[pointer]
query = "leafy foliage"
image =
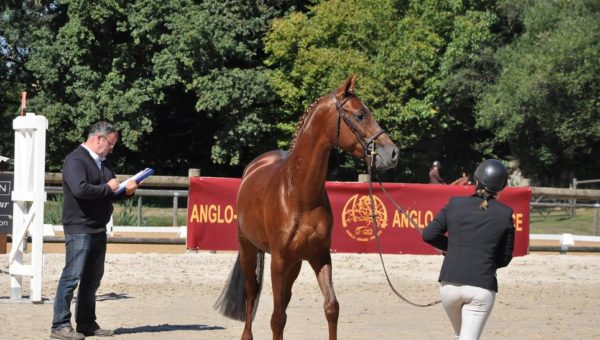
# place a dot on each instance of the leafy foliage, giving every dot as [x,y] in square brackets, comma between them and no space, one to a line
[545,103]
[418,62]
[21,24]
[212,84]
[182,80]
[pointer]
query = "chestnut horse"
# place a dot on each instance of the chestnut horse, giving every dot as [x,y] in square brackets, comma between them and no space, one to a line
[283,208]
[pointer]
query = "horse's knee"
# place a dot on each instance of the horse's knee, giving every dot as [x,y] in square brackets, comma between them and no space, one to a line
[332,311]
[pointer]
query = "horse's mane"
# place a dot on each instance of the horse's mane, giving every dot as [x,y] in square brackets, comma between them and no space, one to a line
[302,120]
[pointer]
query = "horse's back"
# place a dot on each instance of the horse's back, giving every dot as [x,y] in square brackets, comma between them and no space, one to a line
[262,174]
[265,164]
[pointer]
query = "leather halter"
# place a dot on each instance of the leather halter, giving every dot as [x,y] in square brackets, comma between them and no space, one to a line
[367,144]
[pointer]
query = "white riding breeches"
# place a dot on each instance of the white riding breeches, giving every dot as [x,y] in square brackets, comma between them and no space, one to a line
[468,308]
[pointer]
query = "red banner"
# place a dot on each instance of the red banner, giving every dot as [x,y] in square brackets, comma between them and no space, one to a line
[212,215]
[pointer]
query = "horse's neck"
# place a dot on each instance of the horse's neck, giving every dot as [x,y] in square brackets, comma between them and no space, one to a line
[307,167]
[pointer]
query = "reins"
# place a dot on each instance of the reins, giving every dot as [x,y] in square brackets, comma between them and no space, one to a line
[370,153]
[370,166]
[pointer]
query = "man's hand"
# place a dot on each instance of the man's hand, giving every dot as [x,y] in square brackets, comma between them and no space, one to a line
[130,188]
[113,184]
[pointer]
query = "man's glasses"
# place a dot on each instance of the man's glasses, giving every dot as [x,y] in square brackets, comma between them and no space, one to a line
[110,144]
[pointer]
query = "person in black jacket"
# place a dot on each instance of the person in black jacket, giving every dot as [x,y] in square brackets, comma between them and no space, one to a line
[89,184]
[480,239]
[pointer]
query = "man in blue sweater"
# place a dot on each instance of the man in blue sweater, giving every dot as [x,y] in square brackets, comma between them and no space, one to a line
[89,184]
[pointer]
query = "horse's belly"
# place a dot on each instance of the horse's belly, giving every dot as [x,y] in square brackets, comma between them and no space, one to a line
[255,237]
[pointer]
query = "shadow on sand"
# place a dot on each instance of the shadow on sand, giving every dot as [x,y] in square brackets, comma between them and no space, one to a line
[112,296]
[165,328]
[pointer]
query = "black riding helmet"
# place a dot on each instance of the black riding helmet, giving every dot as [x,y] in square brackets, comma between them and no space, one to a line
[491,175]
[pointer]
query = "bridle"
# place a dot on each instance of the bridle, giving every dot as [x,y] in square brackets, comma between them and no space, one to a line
[368,144]
[369,151]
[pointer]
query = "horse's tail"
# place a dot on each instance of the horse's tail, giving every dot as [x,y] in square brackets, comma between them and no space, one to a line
[232,301]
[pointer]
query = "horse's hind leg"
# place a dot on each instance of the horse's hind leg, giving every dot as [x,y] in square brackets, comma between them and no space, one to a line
[322,268]
[290,278]
[253,282]
[283,275]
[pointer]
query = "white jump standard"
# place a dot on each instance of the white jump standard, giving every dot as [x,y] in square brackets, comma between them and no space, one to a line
[28,210]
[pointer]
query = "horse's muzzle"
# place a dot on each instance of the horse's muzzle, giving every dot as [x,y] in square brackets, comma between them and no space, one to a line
[387,157]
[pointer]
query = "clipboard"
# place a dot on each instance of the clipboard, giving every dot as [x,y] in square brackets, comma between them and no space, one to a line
[140,176]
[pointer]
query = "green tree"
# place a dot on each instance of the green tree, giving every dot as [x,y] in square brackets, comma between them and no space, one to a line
[20,22]
[421,67]
[544,106]
[183,80]
[466,68]
[211,84]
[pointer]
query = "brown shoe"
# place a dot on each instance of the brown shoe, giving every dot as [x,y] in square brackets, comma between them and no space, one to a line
[94,330]
[66,333]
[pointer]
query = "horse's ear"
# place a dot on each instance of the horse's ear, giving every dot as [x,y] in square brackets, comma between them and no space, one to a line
[347,89]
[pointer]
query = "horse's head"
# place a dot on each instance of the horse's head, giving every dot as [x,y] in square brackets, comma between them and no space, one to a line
[357,131]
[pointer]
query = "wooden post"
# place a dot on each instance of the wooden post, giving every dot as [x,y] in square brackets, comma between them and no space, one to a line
[574,200]
[3,239]
[596,218]
[363,178]
[139,212]
[193,172]
[175,208]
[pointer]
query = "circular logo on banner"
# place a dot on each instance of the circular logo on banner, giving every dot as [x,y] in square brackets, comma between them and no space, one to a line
[357,220]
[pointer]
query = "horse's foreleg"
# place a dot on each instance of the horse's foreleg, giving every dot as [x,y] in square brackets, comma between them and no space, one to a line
[332,308]
[282,278]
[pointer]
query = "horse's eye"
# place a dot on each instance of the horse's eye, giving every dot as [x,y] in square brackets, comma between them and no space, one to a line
[360,117]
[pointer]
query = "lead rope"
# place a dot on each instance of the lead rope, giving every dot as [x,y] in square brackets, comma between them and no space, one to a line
[370,165]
